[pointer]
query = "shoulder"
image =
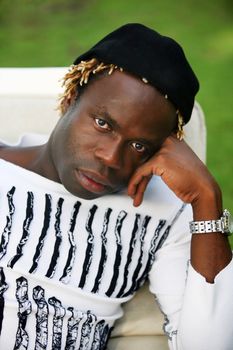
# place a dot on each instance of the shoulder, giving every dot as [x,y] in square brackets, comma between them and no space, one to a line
[21,156]
[8,151]
[5,151]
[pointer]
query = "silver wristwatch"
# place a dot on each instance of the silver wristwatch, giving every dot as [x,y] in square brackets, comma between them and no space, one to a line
[223,225]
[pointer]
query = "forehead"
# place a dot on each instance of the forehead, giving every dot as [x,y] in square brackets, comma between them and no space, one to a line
[129,100]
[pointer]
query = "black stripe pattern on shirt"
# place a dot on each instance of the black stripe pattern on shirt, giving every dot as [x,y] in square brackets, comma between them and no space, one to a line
[58,235]
[7,229]
[90,246]
[26,226]
[86,330]
[71,254]
[3,288]
[154,246]
[103,257]
[24,309]
[39,247]
[83,329]
[41,318]
[130,254]
[57,322]
[151,255]
[120,219]
[140,259]
[72,328]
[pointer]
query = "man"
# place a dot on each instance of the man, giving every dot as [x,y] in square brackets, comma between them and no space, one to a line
[75,246]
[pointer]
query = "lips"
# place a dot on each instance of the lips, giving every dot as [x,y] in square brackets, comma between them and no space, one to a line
[93,182]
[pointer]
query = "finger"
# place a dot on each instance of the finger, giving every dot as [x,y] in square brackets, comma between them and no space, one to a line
[138,197]
[133,184]
[137,178]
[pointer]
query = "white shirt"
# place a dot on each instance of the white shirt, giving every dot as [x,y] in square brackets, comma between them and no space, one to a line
[67,265]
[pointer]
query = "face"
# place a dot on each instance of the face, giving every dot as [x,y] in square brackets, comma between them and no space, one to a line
[117,124]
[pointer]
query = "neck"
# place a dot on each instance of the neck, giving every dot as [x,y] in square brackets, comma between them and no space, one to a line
[36,159]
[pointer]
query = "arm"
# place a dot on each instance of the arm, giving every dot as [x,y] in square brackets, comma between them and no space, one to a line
[190,180]
[198,314]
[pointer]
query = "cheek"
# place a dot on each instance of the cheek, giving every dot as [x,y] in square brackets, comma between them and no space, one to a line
[130,163]
[80,149]
[79,137]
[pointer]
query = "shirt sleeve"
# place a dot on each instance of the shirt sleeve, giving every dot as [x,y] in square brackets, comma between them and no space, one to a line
[197,315]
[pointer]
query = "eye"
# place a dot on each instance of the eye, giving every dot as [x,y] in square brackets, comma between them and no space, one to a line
[101,123]
[138,147]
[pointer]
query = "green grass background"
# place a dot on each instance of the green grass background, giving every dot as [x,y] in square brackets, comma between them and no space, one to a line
[53,32]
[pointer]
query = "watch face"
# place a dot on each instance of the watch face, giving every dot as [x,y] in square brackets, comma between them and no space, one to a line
[228,222]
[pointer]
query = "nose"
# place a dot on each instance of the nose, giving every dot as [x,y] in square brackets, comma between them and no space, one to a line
[110,154]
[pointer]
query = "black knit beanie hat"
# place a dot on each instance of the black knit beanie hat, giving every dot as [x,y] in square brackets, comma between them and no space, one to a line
[157,59]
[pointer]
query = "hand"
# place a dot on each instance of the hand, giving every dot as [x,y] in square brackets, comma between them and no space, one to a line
[182,171]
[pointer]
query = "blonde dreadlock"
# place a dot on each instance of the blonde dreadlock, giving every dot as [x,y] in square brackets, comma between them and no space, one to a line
[79,75]
[180,124]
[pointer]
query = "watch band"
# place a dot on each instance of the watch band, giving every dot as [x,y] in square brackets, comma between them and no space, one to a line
[206,226]
[223,225]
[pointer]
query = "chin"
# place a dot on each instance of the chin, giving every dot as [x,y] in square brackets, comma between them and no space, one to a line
[84,194]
